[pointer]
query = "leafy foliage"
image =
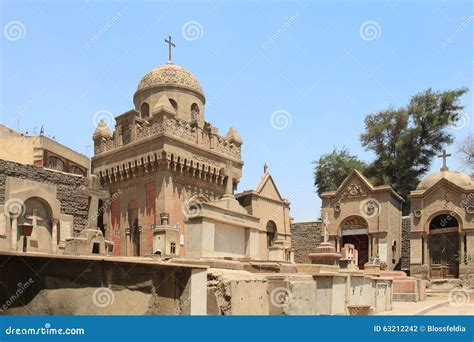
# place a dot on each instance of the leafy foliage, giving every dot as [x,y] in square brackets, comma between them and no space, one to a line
[404,140]
[332,168]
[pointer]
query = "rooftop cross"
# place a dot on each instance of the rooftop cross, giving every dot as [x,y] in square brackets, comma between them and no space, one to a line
[444,155]
[170,46]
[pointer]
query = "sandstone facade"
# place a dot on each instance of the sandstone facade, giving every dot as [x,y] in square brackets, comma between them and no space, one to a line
[366,216]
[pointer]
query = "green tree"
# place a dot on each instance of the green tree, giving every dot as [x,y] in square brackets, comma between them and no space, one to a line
[331,169]
[405,140]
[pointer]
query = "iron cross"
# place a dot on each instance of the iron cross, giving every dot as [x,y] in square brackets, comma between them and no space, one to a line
[170,46]
[444,155]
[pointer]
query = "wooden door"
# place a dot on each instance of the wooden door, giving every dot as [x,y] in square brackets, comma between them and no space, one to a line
[444,255]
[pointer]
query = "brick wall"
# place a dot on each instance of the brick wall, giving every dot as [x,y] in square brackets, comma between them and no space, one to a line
[70,192]
[305,237]
[405,257]
[150,216]
[115,220]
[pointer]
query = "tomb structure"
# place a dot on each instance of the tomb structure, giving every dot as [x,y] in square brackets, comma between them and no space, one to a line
[177,175]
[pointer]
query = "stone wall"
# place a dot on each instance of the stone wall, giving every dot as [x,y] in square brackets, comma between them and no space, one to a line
[233,292]
[306,236]
[405,252]
[70,189]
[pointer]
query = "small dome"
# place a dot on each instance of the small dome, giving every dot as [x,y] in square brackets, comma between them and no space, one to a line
[170,74]
[458,178]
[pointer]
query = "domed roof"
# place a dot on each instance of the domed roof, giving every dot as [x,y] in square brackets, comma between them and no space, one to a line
[170,74]
[458,178]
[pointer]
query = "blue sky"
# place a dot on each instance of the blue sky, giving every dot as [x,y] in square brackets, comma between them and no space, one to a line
[320,66]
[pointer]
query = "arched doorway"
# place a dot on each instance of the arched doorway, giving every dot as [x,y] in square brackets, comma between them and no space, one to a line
[38,214]
[134,228]
[354,230]
[443,246]
[271,233]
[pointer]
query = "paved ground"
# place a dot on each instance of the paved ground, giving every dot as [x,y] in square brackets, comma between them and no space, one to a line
[449,310]
[438,305]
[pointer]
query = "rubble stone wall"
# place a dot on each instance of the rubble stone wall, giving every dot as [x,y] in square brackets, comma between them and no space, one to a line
[405,257]
[306,236]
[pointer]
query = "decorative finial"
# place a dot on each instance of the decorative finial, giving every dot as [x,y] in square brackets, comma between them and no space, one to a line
[444,155]
[265,168]
[170,46]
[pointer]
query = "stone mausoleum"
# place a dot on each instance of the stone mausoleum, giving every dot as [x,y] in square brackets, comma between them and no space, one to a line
[367,216]
[177,175]
[442,226]
[153,223]
[435,242]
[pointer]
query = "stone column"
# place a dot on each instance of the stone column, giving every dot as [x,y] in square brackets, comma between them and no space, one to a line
[426,250]
[14,236]
[93,210]
[128,242]
[371,243]
[54,235]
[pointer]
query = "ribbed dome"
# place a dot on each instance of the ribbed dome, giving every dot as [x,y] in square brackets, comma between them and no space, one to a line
[170,74]
[458,178]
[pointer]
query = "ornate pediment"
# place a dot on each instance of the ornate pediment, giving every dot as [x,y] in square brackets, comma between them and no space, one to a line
[353,190]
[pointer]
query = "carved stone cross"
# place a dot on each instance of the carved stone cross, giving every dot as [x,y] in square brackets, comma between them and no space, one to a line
[35,218]
[170,46]
[444,155]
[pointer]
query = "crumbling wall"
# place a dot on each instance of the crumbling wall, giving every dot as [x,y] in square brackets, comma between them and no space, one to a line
[305,237]
[233,292]
[236,293]
[70,188]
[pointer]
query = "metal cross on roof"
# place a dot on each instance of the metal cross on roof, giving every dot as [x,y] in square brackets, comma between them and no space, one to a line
[444,155]
[170,46]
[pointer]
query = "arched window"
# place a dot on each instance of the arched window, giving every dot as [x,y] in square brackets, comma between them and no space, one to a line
[271,233]
[194,112]
[56,163]
[37,213]
[174,104]
[76,170]
[443,221]
[145,110]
